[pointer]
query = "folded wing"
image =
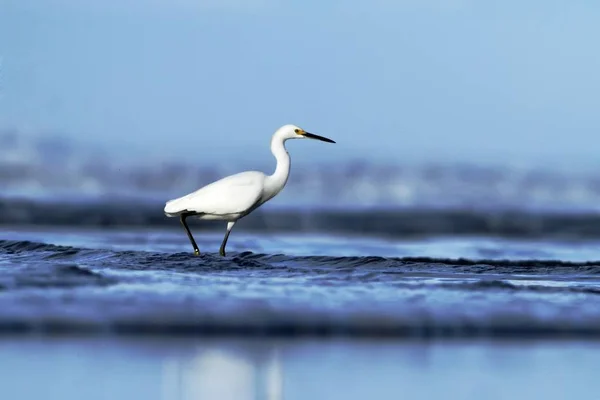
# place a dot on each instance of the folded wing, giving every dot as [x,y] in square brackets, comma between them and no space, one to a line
[231,195]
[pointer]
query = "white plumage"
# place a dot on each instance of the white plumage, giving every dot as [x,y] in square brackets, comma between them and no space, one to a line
[235,196]
[224,199]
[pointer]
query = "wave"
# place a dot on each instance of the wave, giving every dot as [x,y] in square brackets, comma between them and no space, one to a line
[297,329]
[407,223]
[49,289]
[28,251]
[502,285]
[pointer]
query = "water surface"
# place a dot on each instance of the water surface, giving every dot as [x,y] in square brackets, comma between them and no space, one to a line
[239,369]
[148,282]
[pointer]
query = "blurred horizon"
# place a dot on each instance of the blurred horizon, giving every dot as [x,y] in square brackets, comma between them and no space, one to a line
[53,167]
[209,81]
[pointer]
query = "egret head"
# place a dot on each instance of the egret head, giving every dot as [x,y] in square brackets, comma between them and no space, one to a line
[294,132]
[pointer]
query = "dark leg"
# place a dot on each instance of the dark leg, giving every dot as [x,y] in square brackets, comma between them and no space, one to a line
[187,230]
[222,249]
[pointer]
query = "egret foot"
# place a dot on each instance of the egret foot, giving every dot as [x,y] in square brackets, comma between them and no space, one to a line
[196,252]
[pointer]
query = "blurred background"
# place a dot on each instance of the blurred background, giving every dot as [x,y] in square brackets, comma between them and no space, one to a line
[466,161]
[436,102]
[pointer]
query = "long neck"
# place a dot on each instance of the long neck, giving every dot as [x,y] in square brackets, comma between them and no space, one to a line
[276,182]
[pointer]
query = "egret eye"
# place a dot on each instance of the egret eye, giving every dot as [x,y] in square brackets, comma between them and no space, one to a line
[297,130]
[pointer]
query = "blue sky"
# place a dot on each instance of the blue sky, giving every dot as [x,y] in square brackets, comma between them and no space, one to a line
[209,79]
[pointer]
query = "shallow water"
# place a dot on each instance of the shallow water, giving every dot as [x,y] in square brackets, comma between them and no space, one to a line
[124,312]
[239,369]
[147,282]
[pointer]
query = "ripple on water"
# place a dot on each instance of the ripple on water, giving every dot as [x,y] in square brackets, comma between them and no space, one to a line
[46,288]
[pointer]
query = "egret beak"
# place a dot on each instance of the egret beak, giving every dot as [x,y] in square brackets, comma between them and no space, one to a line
[321,138]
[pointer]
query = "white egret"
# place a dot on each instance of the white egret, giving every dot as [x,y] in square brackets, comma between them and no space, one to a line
[236,196]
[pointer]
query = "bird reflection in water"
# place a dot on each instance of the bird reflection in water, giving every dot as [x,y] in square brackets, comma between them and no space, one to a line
[223,374]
